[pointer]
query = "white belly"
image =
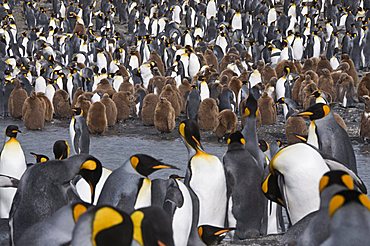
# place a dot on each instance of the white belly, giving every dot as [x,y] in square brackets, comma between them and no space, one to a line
[144,197]
[272,223]
[209,184]
[204,91]
[182,219]
[83,188]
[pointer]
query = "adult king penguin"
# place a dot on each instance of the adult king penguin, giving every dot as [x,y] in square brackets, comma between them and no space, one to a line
[79,132]
[209,194]
[129,186]
[327,135]
[243,177]
[13,164]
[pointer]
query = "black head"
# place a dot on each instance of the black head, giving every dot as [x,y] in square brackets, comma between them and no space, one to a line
[316,111]
[264,146]
[270,189]
[39,157]
[111,227]
[336,177]
[11,131]
[347,197]
[236,138]
[91,170]
[250,107]
[146,165]
[77,111]
[189,131]
[61,149]
[211,234]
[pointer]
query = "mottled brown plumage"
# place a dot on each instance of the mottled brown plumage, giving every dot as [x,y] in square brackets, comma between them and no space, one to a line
[227,123]
[33,112]
[123,101]
[208,114]
[62,108]
[171,95]
[48,106]
[147,113]
[110,109]
[97,119]
[16,100]
[164,116]
[267,109]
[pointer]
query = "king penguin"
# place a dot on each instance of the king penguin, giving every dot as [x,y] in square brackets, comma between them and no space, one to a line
[349,213]
[13,164]
[152,226]
[58,228]
[103,225]
[44,189]
[209,195]
[129,186]
[327,135]
[243,178]
[79,132]
[317,230]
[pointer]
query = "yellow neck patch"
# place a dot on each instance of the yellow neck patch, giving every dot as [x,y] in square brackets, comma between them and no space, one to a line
[200,231]
[68,148]
[364,201]
[348,181]
[335,203]
[137,218]
[78,210]
[182,129]
[105,218]
[265,184]
[89,165]
[247,112]
[326,109]
[242,141]
[324,181]
[134,161]
[43,159]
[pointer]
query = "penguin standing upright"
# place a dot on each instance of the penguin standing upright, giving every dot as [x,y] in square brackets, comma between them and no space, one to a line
[13,164]
[79,132]
[327,135]
[243,177]
[209,194]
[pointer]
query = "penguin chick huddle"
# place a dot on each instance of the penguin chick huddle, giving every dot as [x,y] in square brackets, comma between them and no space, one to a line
[213,63]
[157,61]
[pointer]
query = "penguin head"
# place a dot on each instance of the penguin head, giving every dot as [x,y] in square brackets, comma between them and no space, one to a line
[39,157]
[12,131]
[270,188]
[250,107]
[336,177]
[211,234]
[263,145]
[146,165]
[77,111]
[111,227]
[346,197]
[61,150]
[91,170]
[316,111]
[189,131]
[236,138]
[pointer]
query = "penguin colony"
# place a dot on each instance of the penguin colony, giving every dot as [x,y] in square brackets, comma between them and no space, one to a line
[213,62]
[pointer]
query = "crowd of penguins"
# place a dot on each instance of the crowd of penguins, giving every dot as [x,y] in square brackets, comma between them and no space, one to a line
[213,63]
